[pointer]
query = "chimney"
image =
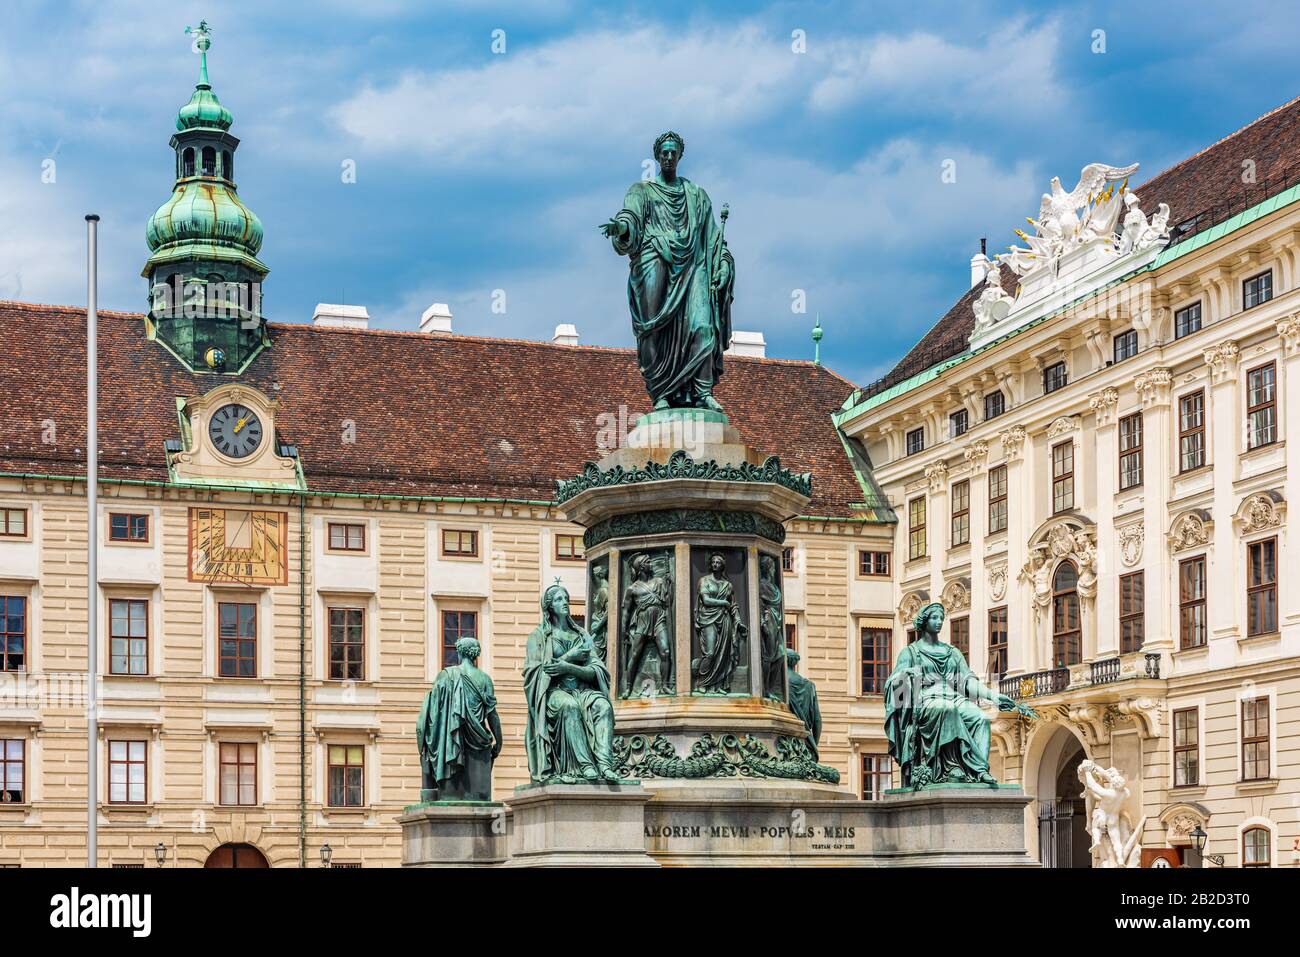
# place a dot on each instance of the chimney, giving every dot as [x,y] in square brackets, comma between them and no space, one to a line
[437,318]
[340,317]
[977,263]
[747,344]
[566,334]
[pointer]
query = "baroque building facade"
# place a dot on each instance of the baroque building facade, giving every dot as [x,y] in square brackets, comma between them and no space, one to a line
[296,523]
[1091,456]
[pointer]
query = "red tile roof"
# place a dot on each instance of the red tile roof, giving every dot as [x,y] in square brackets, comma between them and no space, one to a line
[434,415]
[1202,190]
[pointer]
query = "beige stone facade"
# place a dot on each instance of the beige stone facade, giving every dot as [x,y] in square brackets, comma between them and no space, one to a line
[1215,368]
[183,711]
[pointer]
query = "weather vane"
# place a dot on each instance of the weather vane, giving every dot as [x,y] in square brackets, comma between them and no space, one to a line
[202,40]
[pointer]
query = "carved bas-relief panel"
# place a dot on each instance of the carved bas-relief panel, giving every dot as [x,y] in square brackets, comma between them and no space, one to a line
[771,627]
[646,624]
[719,622]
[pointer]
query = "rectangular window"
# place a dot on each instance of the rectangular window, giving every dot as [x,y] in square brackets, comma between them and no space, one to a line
[347,628]
[916,544]
[961,512]
[13,633]
[1125,345]
[460,543]
[1191,602]
[998,499]
[13,771]
[1132,611]
[877,776]
[128,527]
[568,548]
[915,441]
[1187,320]
[1187,748]
[1130,451]
[347,775]
[238,774]
[347,537]
[959,636]
[128,630]
[1257,290]
[455,626]
[1191,431]
[13,523]
[792,635]
[787,560]
[127,772]
[875,659]
[997,642]
[995,403]
[1054,377]
[1261,406]
[959,422]
[1261,587]
[237,639]
[1254,739]
[1062,477]
[873,564]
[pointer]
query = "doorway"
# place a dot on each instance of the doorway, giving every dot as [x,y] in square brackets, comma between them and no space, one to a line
[1063,839]
[236,855]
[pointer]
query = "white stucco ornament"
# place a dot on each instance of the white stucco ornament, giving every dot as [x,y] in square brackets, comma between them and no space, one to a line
[1067,221]
[1115,842]
[1083,239]
[994,303]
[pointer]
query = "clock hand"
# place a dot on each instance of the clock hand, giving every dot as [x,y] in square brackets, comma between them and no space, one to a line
[239,425]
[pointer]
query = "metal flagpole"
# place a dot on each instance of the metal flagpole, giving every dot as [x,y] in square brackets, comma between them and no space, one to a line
[92,538]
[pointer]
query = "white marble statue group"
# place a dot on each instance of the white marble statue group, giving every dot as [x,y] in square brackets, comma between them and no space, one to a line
[1115,841]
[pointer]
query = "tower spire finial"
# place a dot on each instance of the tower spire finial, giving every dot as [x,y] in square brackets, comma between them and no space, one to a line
[817,341]
[202,40]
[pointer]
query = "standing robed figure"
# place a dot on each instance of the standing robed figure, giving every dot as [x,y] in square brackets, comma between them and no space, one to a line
[680,282]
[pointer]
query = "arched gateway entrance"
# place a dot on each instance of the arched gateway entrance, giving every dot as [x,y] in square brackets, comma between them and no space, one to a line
[1062,822]
[236,855]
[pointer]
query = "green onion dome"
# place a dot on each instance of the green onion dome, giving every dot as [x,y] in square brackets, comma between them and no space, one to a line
[204,211]
[203,110]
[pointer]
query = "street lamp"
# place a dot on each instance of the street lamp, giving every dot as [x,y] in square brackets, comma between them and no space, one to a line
[1199,837]
[326,854]
[160,853]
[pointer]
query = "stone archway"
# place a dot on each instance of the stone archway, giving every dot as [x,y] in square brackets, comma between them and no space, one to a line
[1052,771]
[236,855]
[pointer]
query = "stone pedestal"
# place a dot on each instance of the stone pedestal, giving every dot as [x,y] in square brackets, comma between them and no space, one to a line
[579,825]
[756,823]
[455,834]
[953,826]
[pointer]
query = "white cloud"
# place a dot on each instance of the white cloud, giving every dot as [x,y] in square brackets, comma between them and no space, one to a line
[607,85]
[1013,69]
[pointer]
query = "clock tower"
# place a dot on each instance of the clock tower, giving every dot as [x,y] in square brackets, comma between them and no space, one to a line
[205,280]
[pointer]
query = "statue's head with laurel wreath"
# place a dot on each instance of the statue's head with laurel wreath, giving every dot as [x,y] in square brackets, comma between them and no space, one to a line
[668,150]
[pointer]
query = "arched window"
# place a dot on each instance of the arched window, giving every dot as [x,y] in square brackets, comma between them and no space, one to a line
[209,161]
[187,161]
[1256,847]
[1067,634]
[227,164]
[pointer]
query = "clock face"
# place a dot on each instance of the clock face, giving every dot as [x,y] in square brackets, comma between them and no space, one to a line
[235,430]
[238,546]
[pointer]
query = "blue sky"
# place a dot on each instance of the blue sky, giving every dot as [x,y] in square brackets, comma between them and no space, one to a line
[480,171]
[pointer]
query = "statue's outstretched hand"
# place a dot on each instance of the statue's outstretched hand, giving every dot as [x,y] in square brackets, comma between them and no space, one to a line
[614,228]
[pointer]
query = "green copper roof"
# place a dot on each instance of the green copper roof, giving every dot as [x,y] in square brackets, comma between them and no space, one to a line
[201,211]
[203,110]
